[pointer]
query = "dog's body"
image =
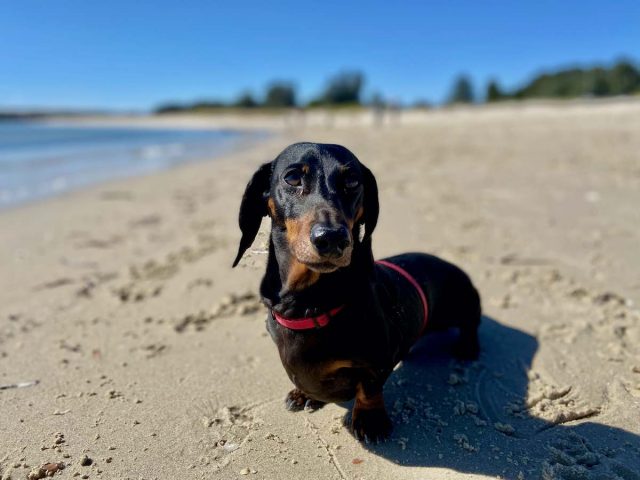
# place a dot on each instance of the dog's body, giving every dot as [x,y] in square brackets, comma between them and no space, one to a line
[321,270]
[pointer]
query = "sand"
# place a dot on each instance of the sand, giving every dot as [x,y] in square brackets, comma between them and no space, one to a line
[129,348]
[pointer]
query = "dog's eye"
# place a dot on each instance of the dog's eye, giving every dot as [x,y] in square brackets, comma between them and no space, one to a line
[351,181]
[293,178]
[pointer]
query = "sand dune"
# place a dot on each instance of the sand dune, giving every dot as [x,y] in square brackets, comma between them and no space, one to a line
[152,360]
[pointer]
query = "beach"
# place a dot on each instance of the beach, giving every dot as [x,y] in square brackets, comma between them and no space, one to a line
[127,338]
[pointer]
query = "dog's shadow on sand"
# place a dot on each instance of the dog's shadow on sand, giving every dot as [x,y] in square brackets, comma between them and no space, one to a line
[475,418]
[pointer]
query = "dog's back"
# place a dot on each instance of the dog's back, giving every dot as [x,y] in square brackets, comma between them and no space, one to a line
[452,299]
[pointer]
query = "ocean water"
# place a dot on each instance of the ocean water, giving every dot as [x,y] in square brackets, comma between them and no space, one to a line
[39,160]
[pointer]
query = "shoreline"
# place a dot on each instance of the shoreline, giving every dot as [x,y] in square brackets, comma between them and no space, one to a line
[242,139]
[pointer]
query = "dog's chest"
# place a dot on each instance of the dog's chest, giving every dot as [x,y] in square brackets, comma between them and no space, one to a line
[326,371]
[328,381]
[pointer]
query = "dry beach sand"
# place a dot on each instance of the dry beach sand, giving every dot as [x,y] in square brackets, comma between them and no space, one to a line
[152,360]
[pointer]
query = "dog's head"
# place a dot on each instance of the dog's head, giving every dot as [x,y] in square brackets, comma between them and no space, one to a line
[318,197]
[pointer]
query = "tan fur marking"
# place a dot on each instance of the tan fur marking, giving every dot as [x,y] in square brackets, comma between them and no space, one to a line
[298,233]
[303,252]
[364,402]
[298,230]
[333,367]
[272,207]
[300,276]
[296,227]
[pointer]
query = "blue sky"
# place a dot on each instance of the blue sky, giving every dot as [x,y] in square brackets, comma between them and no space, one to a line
[135,54]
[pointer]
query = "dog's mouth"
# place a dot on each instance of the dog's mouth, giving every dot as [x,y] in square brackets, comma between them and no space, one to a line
[322,267]
[321,264]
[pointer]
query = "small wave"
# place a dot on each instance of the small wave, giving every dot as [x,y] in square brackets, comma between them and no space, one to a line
[158,151]
[58,184]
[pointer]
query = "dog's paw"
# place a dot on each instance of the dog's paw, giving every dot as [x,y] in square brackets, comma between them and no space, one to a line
[297,400]
[371,426]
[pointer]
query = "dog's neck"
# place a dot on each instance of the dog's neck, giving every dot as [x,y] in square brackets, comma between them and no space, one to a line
[293,290]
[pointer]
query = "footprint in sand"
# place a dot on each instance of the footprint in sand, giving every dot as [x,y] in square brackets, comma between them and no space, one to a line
[232,305]
[221,430]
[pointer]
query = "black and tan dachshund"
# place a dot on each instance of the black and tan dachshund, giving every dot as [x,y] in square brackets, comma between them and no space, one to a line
[340,320]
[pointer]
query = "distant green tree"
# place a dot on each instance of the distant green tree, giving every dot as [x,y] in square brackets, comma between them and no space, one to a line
[169,108]
[462,90]
[621,79]
[280,94]
[564,84]
[624,78]
[207,105]
[494,92]
[598,83]
[245,100]
[200,106]
[343,88]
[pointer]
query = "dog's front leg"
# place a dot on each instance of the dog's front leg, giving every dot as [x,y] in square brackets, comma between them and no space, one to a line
[369,419]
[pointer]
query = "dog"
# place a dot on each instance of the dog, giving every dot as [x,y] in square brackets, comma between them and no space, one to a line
[340,320]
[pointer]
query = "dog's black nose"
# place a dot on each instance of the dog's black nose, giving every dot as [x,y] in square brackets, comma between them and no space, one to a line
[329,240]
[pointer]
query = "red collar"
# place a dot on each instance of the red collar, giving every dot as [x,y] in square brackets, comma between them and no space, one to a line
[306,323]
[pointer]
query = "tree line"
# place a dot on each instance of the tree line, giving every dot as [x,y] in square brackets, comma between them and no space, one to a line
[346,89]
[622,78]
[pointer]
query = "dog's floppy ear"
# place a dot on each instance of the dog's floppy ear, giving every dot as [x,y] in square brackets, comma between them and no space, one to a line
[370,202]
[253,207]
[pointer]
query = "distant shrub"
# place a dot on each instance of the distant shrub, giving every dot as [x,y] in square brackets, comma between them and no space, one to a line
[169,108]
[462,90]
[245,100]
[623,78]
[280,94]
[494,92]
[208,105]
[342,89]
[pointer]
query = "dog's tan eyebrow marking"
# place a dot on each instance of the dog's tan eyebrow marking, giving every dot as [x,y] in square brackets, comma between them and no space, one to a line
[305,167]
[346,167]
